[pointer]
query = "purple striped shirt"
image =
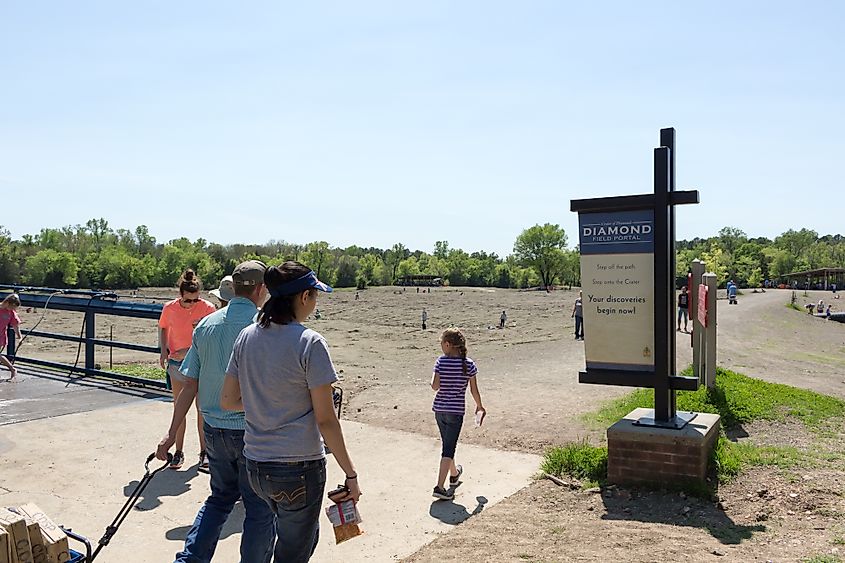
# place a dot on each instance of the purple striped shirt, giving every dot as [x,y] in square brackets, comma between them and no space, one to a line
[451,397]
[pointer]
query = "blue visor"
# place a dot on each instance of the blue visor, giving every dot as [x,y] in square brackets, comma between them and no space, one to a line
[293,287]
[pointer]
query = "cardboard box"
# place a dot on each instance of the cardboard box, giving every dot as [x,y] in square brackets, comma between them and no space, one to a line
[36,541]
[5,546]
[54,539]
[15,526]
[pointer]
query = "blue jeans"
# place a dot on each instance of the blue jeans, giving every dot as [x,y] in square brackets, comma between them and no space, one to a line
[579,327]
[229,482]
[450,430]
[294,491]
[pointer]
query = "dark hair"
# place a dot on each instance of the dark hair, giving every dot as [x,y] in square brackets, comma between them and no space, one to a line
[456,338]
[189,282]
[244,290]
[279,309]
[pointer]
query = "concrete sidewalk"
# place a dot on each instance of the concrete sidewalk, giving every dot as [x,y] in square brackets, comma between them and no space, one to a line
[81,467]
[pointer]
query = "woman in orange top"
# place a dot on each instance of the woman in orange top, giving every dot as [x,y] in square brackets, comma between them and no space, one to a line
[176,328]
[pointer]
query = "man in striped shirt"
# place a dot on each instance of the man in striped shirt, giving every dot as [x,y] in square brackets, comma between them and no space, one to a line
[205,369]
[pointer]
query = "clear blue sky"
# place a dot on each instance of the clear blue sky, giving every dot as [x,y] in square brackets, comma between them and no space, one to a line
[373,123]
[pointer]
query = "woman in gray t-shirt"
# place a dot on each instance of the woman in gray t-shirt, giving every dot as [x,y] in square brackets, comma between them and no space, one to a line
[280,376]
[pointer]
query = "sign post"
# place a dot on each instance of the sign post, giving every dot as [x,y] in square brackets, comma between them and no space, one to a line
[628,273]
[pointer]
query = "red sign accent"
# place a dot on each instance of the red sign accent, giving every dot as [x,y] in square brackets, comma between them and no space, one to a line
[702,304]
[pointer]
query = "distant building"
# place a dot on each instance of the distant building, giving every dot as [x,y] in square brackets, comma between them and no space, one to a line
[821,278]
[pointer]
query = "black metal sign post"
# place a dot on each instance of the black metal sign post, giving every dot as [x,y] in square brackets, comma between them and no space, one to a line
[663,378]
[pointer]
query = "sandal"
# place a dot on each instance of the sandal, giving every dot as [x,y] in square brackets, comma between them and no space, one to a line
[203,465]
[178,460]
[456,480]
[443,494]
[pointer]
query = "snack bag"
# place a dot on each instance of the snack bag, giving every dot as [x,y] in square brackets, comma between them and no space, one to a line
[344,516]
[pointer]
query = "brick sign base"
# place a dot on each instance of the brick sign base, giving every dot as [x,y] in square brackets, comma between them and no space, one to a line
[660,456]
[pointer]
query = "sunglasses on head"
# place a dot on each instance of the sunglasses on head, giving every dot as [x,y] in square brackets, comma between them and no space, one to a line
[191,300]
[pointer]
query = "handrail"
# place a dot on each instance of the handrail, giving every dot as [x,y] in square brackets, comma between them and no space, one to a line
[91,303]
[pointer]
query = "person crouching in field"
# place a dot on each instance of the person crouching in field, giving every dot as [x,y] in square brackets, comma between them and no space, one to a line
[9,318]
[453,371]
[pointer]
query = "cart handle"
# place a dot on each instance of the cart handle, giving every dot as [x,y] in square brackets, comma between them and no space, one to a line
[130,502]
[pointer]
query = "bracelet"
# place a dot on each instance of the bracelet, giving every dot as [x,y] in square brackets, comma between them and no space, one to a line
[348,478]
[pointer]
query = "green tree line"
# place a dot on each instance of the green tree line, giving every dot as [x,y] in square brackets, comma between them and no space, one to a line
[732,254]
[95,255]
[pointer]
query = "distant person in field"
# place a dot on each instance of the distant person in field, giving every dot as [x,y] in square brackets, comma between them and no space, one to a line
[424,319]
[683,308]
[453,371]
[176,327]
[578,315]
[731,288]
[503,318]
[820,306]
[827,312]
[9,318]
[224,293]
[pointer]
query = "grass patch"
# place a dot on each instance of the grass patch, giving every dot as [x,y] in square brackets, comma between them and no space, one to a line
[737,399]
[580,460]
[147,371]
[730,458]
[822,559]
[795,307]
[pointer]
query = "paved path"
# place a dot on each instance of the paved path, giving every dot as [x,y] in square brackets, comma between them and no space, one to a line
[80,467]
[42,393]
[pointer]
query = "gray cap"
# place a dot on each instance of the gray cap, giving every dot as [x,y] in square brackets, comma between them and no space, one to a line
[226,291]
[250,272]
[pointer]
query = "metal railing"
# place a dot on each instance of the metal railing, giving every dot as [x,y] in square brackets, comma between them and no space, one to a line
[91,304]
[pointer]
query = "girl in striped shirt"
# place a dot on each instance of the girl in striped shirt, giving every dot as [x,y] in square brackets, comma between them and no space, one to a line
[452,372]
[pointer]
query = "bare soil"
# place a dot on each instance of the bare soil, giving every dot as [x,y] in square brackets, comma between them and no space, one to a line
[528,378]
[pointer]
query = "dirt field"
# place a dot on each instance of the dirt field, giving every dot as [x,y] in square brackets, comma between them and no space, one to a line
[528,378]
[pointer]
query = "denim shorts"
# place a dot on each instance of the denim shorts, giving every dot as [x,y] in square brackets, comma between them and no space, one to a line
[450,429]
[173,373]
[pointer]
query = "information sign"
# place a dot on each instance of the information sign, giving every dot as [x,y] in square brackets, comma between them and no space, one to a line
[617,279]
[702,305]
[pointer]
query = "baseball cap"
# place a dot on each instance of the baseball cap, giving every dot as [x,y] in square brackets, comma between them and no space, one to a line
[226,291]
[250,272]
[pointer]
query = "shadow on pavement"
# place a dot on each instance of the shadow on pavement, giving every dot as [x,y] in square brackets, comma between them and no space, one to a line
[168,483]
[234,525]
[450,512]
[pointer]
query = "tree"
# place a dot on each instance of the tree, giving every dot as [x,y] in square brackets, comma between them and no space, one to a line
[714,261]
[51,268]
[100,232]
[541,248]
[393,257]
[441,249]
[347,272]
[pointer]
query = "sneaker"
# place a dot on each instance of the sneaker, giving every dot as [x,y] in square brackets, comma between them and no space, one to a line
[178,460]
[203,465]
[456,480]
[443,494]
